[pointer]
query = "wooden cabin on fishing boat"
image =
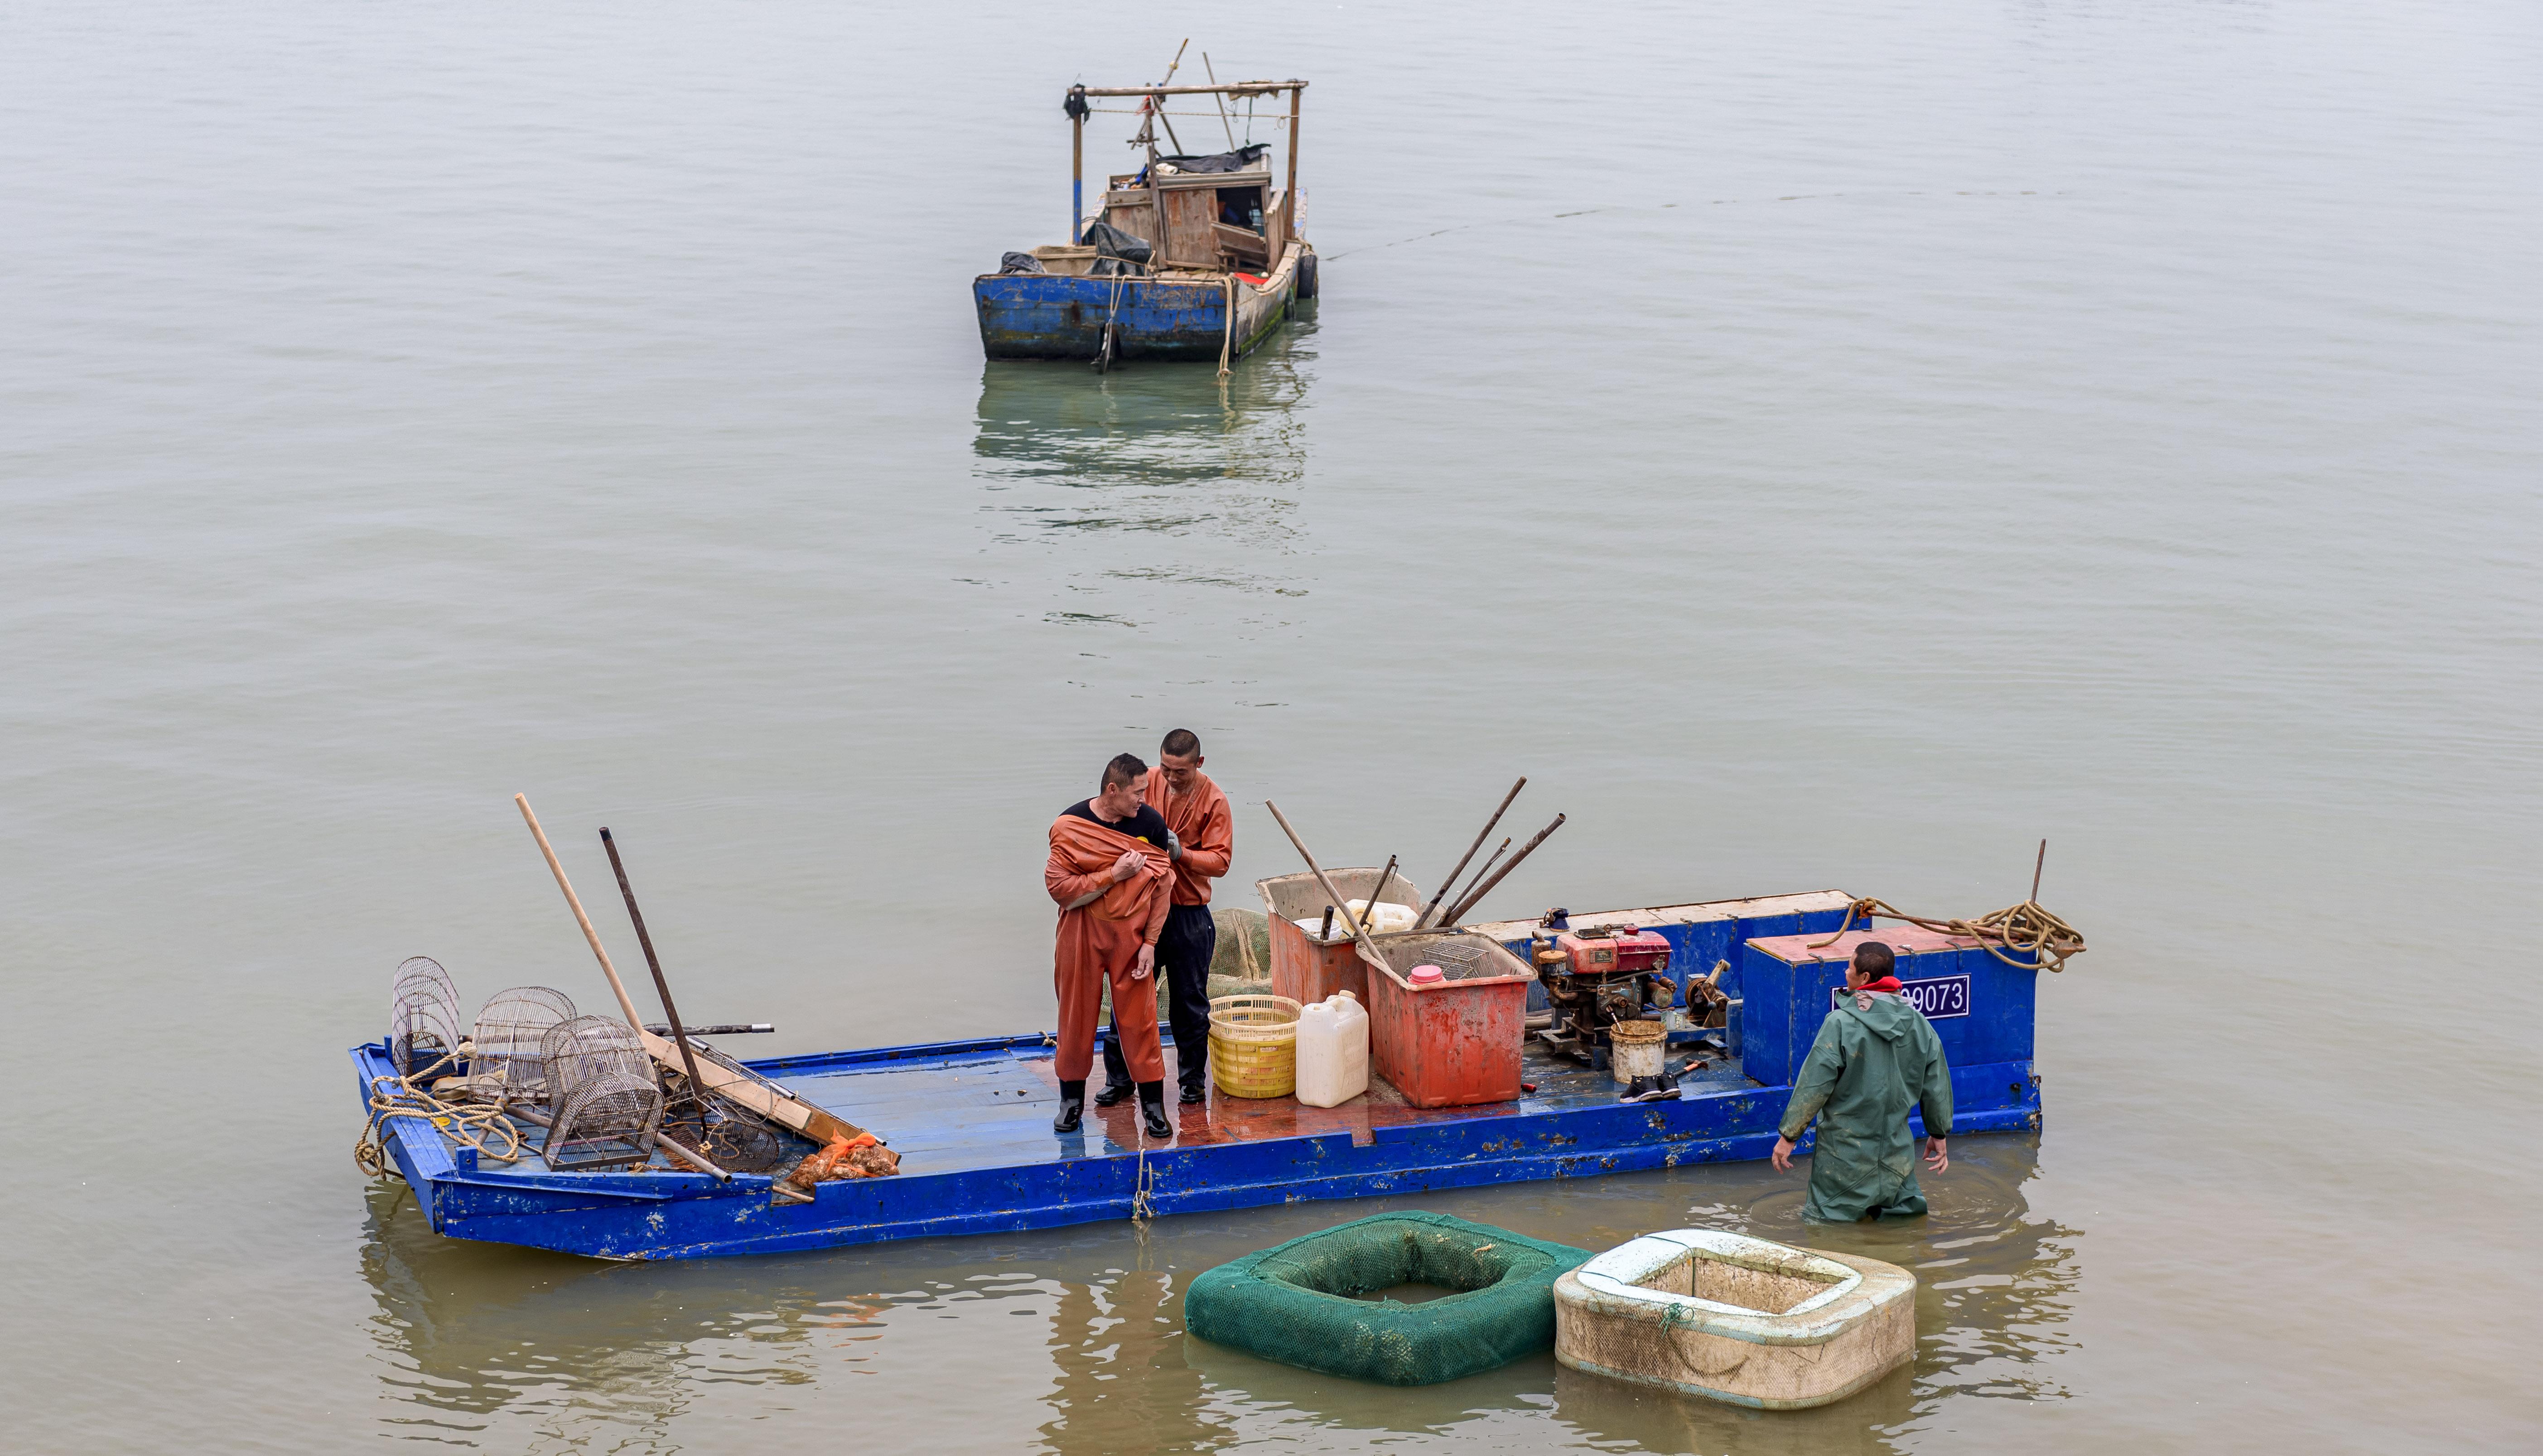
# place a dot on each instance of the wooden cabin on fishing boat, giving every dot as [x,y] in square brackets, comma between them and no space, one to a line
[1191,257]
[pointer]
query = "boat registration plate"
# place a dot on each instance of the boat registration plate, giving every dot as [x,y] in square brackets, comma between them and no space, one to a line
[1943,996]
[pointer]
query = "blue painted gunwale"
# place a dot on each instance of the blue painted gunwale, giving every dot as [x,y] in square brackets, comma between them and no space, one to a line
[1060,316]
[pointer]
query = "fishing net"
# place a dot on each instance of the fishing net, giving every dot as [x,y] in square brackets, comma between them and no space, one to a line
[507,1056]
[600,1084]
[423,1015]
[1302,1302]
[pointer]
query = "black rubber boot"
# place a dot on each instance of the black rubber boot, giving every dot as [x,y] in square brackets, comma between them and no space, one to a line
[1152,1109]
[1111,1094]
[1194,1094]
[1072,1107]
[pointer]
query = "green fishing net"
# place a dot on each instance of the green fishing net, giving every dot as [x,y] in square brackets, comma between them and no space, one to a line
[1295,1303]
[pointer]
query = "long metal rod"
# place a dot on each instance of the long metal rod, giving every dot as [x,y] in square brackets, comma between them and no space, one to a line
[1470,851]
[1459,914]
[1232,88]
[654,963]
[2037,867]
[1486,867]
[1076,180]
[1359,932]
[1368,916]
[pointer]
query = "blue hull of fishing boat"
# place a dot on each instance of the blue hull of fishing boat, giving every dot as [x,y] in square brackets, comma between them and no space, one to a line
[971,1122]
[1055,316]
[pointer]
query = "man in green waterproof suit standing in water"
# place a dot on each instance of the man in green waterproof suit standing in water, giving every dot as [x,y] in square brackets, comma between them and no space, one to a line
[1874,1059]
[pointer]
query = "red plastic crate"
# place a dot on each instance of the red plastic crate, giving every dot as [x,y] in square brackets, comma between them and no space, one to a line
[1454,1043]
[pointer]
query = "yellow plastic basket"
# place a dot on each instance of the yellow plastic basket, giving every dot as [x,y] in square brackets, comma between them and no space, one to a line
[1253,1045]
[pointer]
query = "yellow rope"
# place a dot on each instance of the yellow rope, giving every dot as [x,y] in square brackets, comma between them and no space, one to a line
[470,1126]
[2026,927]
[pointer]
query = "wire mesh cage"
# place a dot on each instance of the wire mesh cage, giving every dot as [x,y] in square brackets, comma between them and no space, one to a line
[423,1015]
[601,1084]
[508,1055]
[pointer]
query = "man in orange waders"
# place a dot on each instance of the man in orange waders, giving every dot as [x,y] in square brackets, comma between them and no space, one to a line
[1200,839]
[1109,875]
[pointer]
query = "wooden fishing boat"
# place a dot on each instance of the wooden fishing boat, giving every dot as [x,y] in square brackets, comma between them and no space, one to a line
[1192,257]
[971,1120]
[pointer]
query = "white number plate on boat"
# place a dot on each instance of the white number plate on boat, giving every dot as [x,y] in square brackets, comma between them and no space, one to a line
[1940,997]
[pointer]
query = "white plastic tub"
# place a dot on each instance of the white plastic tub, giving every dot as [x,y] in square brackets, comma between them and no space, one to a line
[1735,1319]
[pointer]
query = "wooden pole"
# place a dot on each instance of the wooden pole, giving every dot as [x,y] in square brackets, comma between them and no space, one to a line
[1470,852]
[617,987]
[1468,903]
[1289,198]
[1487,867]
[1221,97]
[2038,866]
[1359,932]
[1368,916]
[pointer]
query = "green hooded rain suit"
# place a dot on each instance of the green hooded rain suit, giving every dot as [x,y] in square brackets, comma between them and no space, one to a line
[1875,1057]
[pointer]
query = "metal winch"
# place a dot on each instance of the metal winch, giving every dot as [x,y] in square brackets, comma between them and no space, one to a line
[1595,977]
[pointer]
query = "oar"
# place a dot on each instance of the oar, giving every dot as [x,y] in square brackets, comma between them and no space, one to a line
[1359,931]
[654,963]
[1459,913]
[1470,852]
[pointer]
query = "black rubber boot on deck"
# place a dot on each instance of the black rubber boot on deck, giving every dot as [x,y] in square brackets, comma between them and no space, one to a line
[1152,1109]
[1194,1094]
[1072,1107]
[1111,1094]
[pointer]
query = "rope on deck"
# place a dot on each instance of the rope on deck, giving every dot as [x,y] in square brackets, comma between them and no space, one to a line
[2028,927]
[470,1126]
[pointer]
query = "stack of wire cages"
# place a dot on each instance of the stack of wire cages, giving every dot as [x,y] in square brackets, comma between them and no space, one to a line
[423,1016]
[605,1106]
[508,1051]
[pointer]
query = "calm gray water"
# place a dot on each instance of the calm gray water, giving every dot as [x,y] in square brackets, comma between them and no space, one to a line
[1821,445]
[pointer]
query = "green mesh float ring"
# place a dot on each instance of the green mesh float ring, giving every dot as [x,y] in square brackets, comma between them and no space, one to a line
[1294,1303]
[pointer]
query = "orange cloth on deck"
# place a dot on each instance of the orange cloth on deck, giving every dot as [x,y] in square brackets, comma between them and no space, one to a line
[1099,941]
[1203,822]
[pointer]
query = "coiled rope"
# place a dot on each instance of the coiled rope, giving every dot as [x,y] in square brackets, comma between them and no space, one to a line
[2028,928]
[396,1096]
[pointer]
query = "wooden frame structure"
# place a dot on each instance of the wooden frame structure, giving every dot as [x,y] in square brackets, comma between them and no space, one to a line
[1279,225]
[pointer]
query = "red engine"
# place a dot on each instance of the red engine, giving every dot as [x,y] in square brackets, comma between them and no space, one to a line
[1624,951]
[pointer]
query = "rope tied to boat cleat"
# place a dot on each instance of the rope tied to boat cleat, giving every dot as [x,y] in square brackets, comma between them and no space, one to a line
[2028,928]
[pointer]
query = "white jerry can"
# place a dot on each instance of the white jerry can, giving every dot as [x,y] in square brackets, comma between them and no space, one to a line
[1333,1051]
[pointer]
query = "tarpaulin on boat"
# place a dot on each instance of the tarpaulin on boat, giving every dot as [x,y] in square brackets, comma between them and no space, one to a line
[1236,161]
[1115,248]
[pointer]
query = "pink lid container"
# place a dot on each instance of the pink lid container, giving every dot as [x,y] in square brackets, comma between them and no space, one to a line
[1427,976]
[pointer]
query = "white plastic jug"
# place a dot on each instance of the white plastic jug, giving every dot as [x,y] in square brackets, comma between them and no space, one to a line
[1333,1051]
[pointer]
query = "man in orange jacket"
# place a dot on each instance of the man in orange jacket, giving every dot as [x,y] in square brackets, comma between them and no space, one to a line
[1201,839]
[1110,877]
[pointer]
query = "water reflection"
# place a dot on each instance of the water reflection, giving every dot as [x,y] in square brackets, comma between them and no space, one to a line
[1073,1342]
[1141,485]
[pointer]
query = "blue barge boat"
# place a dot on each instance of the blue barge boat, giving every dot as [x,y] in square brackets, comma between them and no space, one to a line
[1190,258]
[971,1119]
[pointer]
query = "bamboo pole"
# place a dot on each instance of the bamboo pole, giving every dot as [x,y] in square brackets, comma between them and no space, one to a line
[1232,88]
[1289,197]
[1470,852]
[1359,932]
[1468,903]
[617,987]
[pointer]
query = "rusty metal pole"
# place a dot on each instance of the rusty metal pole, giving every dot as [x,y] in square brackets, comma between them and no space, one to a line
[1076,179]
[679,1035]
